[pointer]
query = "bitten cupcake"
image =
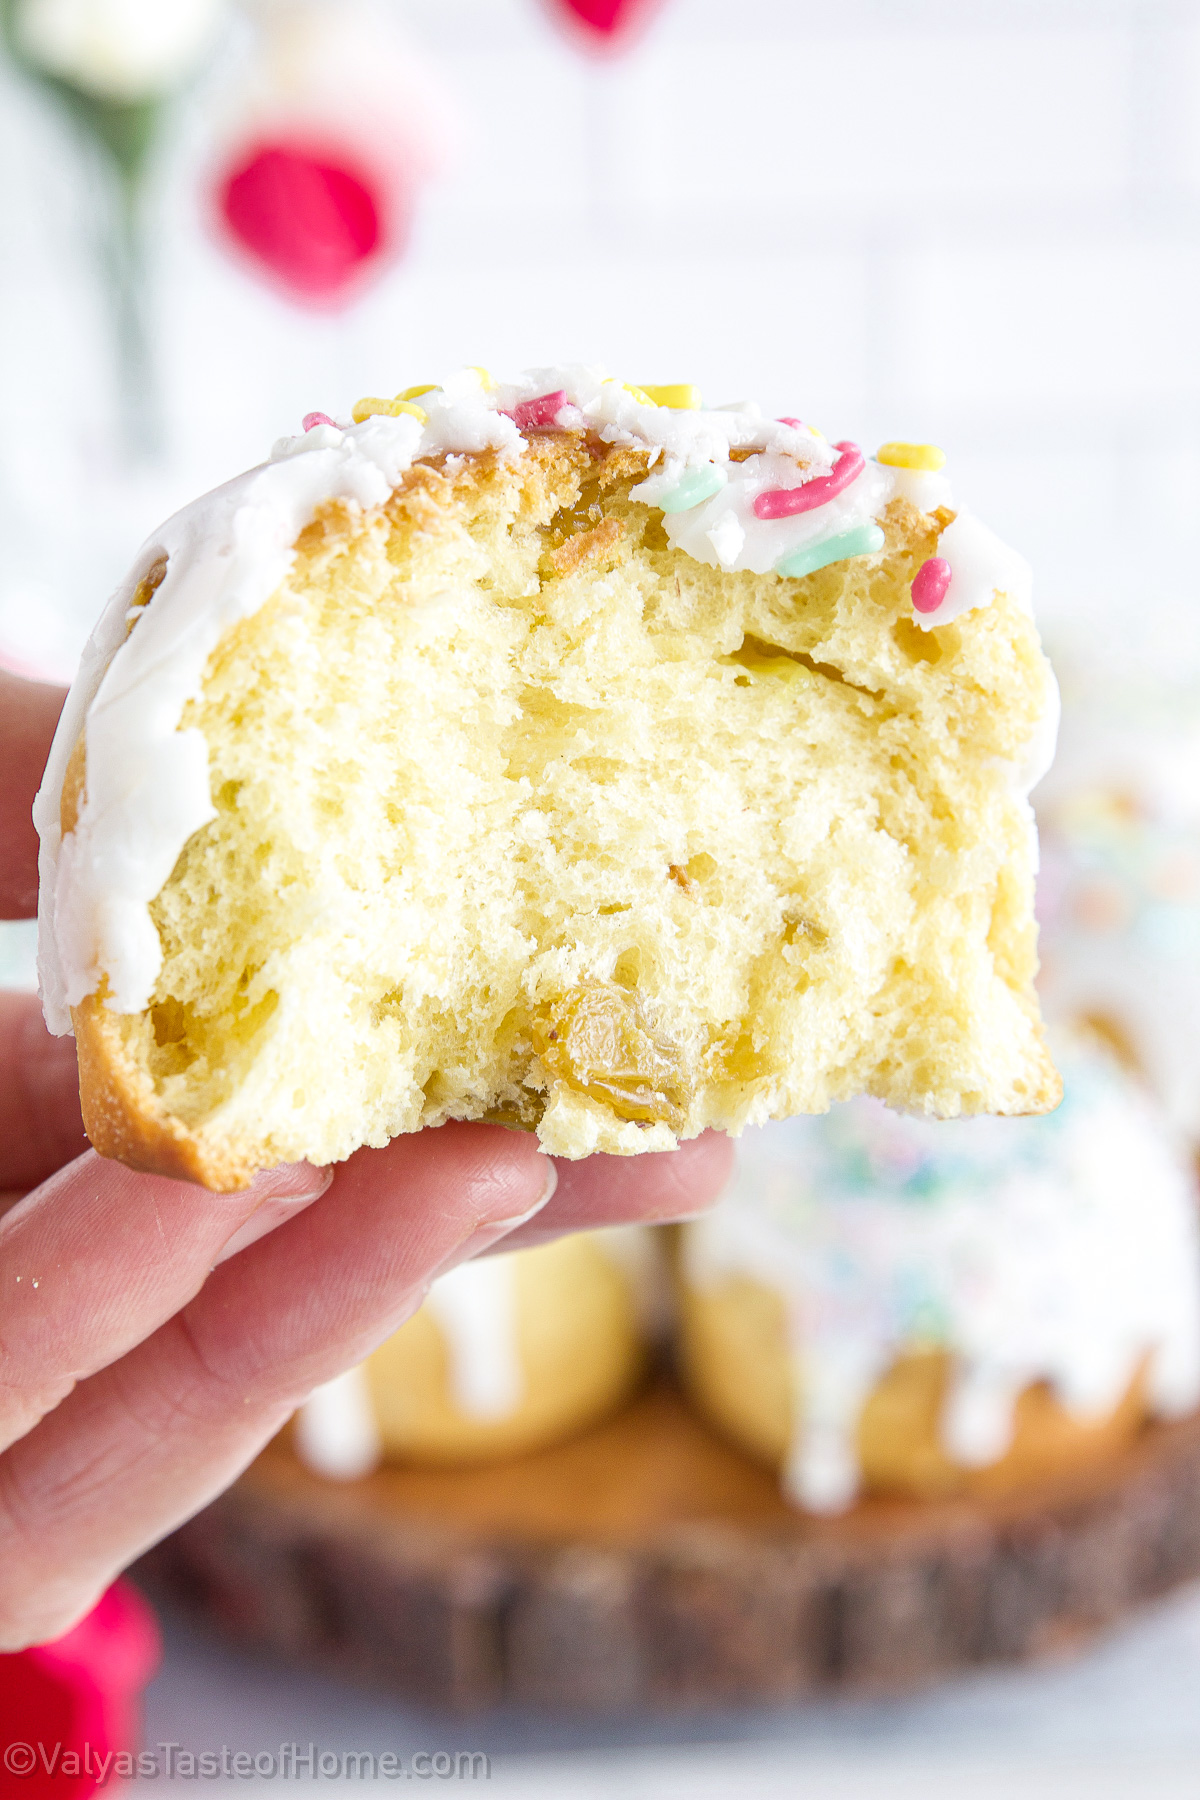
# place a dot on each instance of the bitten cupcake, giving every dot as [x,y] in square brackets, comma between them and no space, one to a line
[888,1305]
[553,751]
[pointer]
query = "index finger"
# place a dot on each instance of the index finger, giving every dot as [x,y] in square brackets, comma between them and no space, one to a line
[28,716]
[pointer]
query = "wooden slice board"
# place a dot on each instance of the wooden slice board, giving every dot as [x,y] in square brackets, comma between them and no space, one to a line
[648,1564]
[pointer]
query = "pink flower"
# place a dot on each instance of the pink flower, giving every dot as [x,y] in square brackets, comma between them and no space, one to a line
[338,130]
[604,25]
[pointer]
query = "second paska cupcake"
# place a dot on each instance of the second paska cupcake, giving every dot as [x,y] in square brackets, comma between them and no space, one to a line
[889,1305]
[507,1354]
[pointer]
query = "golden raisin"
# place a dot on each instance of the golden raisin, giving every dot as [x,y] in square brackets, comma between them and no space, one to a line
[598,1041]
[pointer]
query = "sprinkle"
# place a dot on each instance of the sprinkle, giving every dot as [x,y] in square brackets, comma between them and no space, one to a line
[414,393]
[680,397]
[639,394]
[311,419]
[540,414]
[912,456]
[930,583]
[694,486]
[372,407]
[860,540]
[485,375]
[784,503]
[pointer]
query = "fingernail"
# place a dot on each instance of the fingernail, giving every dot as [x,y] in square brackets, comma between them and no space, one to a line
[484,1236]
[286,1191]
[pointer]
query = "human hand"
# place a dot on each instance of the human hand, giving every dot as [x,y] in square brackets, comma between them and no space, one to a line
[154,1335]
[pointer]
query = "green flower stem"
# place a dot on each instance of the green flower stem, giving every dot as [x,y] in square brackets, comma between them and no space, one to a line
[121,134]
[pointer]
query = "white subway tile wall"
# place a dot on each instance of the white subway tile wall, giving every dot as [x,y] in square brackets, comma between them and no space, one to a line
[974,222]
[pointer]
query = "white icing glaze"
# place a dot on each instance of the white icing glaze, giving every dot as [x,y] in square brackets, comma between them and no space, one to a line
[475,1307]
[981,567]
[707,532]
[147,782]
[1062,1249]
[335,1430]
[923,488]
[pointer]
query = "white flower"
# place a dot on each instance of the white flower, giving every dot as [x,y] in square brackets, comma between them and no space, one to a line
[120,50]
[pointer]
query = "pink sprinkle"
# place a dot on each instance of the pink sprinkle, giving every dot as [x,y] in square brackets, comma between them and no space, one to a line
[311,419]
[798,423]
[540,414]
[783,503]
[930,583]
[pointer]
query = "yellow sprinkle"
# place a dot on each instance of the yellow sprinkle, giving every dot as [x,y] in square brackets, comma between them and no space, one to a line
[390,409]
[639,394]
[485,376]
[415,393]
[911,456]
[682,397]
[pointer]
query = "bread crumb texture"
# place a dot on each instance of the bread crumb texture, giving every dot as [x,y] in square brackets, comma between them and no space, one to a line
[523,815]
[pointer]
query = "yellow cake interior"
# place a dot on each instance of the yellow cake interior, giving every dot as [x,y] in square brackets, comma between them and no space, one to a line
[524,815]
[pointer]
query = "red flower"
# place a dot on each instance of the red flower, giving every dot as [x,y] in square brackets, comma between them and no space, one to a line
[605,24]
[338,128]
[309,217]
[68,1709]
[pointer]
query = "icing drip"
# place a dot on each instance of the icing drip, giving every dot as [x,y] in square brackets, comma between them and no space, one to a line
[821,1470]
[475,1307]
[1063,1248]
[147,781]
[336,1433]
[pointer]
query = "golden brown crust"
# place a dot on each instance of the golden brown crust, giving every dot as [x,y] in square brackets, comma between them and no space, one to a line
[122,1115]
[586,547]
[124,1118]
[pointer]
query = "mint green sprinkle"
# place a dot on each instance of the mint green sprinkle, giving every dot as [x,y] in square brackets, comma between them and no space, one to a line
[861,540]
[696,485]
